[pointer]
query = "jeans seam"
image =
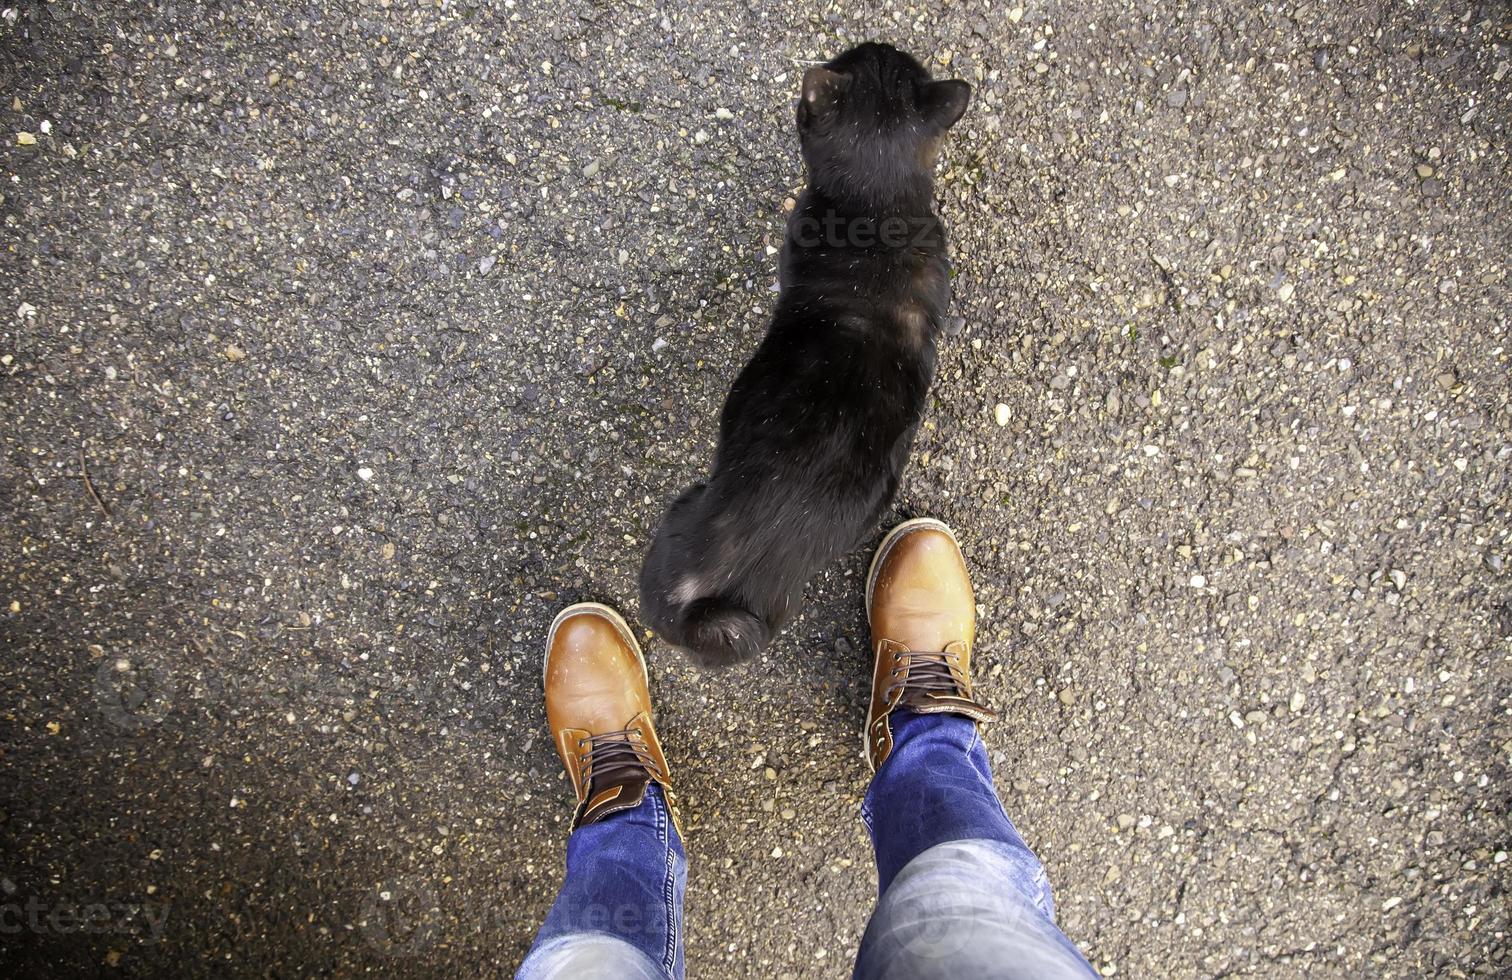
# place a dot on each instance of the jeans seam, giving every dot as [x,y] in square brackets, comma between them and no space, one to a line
[1045,899]
[669,889]
[976,736]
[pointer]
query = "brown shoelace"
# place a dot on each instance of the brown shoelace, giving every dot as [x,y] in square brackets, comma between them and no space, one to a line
[927,672]
[612,754]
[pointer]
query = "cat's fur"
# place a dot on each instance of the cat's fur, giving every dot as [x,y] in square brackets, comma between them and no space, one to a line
[817,428]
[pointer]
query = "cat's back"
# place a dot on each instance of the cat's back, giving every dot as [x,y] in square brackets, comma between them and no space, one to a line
[823,395]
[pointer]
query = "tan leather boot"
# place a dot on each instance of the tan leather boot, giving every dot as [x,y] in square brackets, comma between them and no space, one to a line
[599,708]
[923,622]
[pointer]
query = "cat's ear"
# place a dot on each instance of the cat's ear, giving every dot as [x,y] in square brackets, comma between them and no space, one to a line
[822,90]
[945,102]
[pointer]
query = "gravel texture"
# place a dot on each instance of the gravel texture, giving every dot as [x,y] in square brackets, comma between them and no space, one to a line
[344,342]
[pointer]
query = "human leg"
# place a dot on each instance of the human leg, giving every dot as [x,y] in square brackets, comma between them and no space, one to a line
[619,913]
[962,895]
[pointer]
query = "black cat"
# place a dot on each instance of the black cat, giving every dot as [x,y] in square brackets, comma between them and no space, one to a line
[817,428]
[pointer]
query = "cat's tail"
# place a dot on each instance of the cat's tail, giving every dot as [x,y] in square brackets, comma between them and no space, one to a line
[715,632]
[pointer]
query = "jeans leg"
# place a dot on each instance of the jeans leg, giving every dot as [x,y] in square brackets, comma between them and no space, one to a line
[934,787]
[962,894]
[962,909]
[619,913]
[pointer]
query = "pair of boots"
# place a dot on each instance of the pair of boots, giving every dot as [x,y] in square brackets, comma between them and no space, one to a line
[923,621]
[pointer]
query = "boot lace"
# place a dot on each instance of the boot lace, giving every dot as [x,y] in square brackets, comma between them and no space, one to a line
[926,672]
[615,753]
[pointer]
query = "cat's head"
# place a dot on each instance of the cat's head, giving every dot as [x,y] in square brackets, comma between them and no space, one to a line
[872,120]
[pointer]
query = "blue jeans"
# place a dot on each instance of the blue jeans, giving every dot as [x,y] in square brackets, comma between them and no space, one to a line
[961,893]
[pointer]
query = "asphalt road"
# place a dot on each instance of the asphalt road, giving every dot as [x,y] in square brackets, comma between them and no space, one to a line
[344,342]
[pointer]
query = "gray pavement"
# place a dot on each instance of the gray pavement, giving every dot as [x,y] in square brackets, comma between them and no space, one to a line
[343,342]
